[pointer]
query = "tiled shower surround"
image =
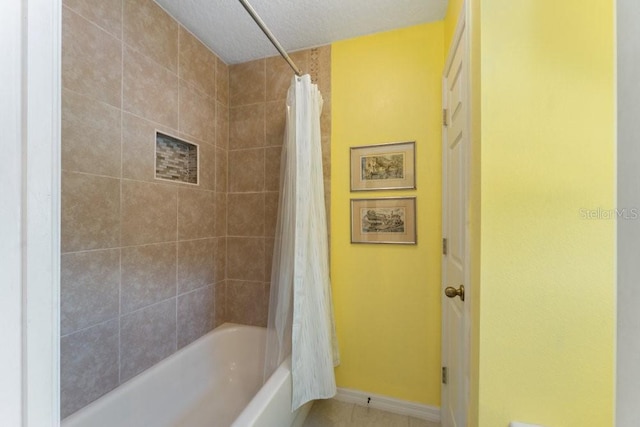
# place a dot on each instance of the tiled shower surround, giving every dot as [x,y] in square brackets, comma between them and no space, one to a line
[148,266]
[143,263]
[257,96]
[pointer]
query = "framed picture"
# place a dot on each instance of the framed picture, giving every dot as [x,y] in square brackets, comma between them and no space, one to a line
[384,220]
[383,166]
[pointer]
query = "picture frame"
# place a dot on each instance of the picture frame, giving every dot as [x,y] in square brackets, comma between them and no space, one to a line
[384,220]
[388,166]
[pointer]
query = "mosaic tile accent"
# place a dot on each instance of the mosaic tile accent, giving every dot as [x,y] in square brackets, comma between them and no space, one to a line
[176,160]
[314,67]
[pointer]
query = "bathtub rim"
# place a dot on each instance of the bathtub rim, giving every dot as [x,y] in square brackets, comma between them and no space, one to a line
[256,411]
[224,328]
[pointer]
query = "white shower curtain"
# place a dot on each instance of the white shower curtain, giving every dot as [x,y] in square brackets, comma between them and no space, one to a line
[300,310]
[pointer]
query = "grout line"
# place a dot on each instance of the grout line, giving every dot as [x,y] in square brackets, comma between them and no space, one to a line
[177,284]
[215,155]
[224,303]
[247,281]
[121,190]
[140,52]
[199,288]
[257,147]
[93,23]
[119,349]
[215,79]
[178,70]
[93,325]
[179,82]
[253,104]
[137,246]
[90,98]
[177,256]
[137,310]
[351,411]
[171,184]
[176,333]
[82,251]
[95,174]
[264,81]
[175,298]
[197,89]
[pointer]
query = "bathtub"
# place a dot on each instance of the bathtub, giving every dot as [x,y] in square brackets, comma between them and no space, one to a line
[213,382]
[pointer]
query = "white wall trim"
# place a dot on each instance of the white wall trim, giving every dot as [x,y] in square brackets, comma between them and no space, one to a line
[11,213]
[389,404]
[41,212]
[29,212]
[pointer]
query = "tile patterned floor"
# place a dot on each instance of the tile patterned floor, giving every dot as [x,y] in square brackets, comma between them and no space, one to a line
[333,413]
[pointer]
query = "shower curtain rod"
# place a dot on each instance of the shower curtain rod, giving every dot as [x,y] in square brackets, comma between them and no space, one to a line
[270,36]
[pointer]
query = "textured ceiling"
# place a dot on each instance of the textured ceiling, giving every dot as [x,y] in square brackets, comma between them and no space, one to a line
[229,31]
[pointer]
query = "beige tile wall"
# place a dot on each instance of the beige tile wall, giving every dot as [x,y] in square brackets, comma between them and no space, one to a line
[257,102]
[149,266]
[143,263]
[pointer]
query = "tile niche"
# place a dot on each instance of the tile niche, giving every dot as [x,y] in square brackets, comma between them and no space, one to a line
[176,160]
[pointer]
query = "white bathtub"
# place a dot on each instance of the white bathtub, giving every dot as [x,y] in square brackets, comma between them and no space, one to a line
[212,382]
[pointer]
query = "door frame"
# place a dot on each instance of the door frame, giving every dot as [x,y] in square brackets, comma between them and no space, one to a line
[30,33]
[628,244]
[461,34]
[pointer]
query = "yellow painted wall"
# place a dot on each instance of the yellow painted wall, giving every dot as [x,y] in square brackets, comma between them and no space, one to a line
[387,88]
[542,276]
[547,285]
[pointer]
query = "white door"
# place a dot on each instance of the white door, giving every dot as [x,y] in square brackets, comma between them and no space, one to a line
[455,152]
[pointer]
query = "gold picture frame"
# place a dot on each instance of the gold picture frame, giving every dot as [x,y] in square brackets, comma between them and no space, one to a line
[383,166]
[384,220]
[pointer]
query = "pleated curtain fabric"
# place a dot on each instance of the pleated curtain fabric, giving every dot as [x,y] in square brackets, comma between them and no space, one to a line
[301,321]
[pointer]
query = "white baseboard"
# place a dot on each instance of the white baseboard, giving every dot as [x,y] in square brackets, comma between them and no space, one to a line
[389,404]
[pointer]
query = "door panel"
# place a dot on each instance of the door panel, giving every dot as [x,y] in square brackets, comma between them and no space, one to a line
[455,155]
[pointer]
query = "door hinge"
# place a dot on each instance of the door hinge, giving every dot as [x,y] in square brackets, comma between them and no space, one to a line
[445,246]
[444,117]
[445,375]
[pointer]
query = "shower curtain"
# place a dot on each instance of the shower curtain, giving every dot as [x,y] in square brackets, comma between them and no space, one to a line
[300,309]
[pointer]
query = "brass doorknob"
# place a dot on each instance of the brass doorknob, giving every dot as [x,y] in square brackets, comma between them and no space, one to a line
[452,292]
